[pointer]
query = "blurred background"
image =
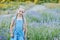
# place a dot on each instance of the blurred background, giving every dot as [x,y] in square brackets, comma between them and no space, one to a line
[43,18]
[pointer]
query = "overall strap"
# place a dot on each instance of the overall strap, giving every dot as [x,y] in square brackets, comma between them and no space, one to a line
[23,19]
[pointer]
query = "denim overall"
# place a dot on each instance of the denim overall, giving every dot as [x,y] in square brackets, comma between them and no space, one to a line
[18,30]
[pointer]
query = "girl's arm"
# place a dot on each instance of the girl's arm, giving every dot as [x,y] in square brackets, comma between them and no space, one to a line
[11,27]
[25,27]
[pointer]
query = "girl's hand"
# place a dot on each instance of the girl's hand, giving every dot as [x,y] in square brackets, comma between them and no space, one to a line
[12,35]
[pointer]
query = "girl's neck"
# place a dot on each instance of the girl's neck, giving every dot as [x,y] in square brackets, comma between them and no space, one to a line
[19,16]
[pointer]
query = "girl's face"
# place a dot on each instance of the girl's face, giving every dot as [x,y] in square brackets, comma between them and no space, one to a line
[20,12]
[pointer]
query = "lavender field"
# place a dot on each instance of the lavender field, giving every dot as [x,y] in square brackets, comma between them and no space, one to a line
[43,22]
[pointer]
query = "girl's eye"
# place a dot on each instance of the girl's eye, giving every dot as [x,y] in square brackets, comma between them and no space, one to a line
[21,11]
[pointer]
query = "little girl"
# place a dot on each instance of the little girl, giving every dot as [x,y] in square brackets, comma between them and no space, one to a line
[18,29]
